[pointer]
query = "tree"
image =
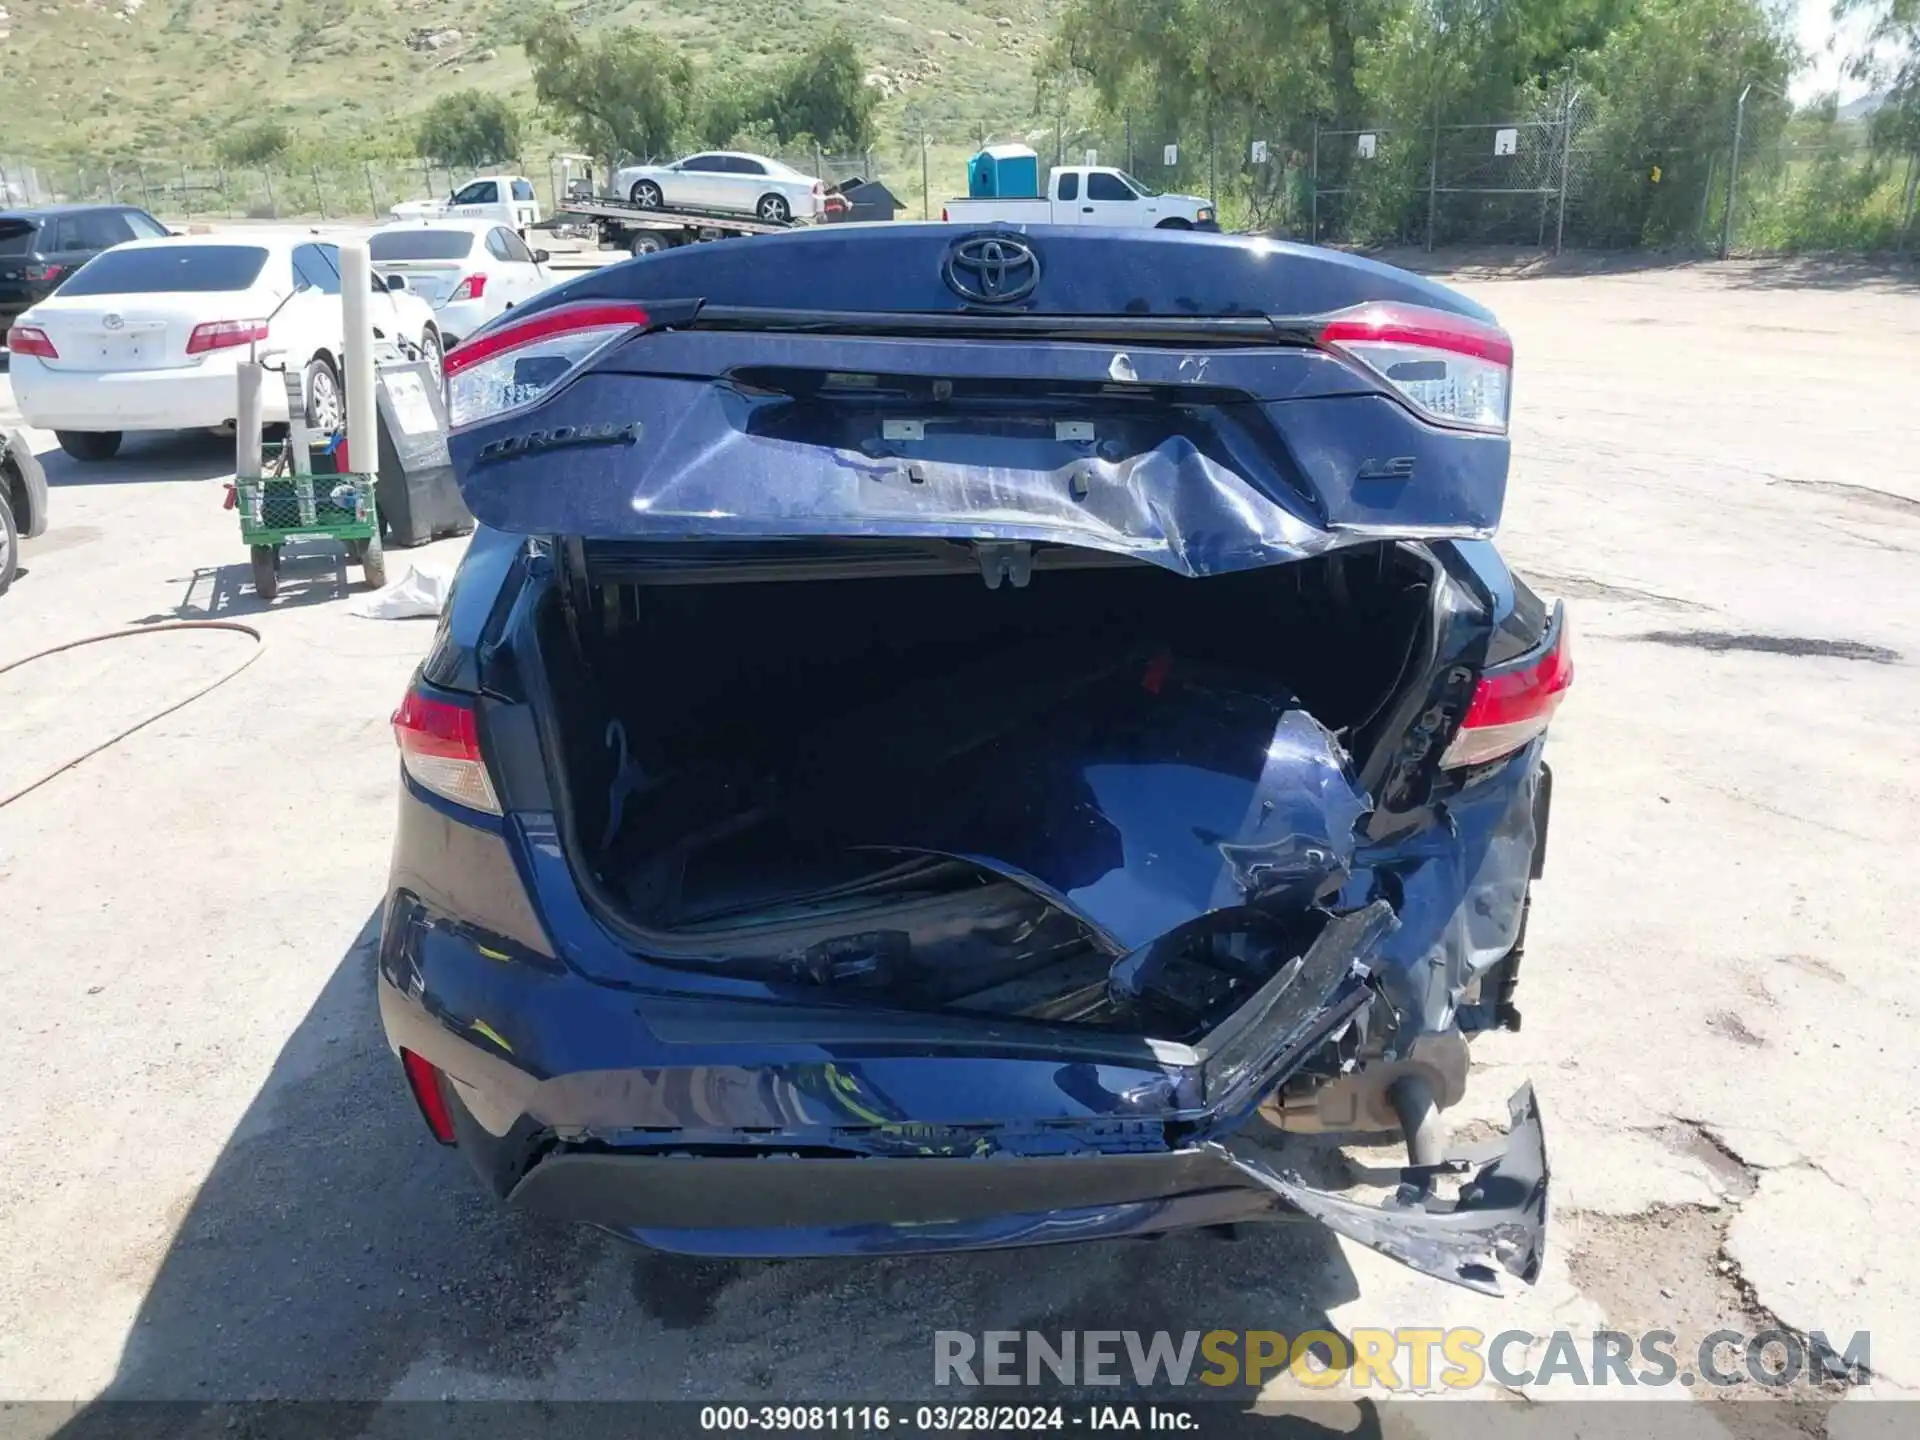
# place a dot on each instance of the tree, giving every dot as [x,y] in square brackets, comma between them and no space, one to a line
[260,143]
[1891,59]
[823,94]
[468,128]
[621,92]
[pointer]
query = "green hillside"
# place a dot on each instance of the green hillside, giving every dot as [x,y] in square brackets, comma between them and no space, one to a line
[161,79]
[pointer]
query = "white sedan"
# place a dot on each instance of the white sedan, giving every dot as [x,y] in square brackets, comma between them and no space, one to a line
[468,270]
[147,336]
[725,180]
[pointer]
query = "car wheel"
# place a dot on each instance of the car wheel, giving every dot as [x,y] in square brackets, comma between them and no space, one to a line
[774,209]
[646,195]
[9,545]
[647,242]
[89,445]
[326,410]
[432,352]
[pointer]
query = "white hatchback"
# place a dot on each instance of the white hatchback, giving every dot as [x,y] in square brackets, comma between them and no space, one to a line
[468,270]
[148,335]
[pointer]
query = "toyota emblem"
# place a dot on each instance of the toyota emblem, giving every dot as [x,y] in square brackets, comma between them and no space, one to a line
[991,269]
[113,322]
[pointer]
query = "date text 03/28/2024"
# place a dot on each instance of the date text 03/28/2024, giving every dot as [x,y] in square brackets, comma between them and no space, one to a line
[940,1419]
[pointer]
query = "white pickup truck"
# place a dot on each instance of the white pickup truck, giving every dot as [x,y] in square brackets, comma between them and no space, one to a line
[506,199]
[1088,195]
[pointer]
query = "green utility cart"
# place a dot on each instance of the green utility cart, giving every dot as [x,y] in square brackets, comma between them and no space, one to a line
[276,507]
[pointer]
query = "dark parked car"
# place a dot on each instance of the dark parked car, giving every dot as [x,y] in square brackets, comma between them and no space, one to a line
[41,247]
[945,755]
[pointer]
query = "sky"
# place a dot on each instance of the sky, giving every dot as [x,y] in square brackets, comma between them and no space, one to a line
[1829,47]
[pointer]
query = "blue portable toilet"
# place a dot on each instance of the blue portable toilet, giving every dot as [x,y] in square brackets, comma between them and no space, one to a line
[1004,172]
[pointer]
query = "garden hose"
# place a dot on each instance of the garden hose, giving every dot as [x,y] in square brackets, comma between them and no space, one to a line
[259,645]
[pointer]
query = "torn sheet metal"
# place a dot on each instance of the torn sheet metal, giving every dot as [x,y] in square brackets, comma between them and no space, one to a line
[1460,887]
[1199,489]
[1138,802]
[1499,1222]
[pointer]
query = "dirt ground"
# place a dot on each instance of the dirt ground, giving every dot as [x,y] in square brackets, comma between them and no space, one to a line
[219,1188]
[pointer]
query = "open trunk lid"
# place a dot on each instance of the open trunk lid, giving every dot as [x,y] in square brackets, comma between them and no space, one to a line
[1208,404]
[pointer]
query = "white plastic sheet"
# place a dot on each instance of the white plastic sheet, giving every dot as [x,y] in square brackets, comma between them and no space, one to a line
[422,591]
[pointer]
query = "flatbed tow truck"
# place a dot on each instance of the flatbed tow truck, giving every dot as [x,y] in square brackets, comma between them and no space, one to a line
[622,225]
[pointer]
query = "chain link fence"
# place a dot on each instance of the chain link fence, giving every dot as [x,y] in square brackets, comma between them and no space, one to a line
[1564,174]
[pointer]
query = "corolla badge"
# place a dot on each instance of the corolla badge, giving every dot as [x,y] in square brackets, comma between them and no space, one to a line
[991,269]
[113,322]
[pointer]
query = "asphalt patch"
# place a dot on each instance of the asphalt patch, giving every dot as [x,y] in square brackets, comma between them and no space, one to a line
[1721,642]
[1858,494]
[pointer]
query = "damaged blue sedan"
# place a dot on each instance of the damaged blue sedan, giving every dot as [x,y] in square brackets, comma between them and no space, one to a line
[945,739]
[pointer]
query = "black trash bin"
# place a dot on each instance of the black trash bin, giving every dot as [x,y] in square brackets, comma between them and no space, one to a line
[866,200]
[414,487]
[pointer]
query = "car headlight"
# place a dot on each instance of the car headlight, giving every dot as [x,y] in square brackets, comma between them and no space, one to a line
[1206,214]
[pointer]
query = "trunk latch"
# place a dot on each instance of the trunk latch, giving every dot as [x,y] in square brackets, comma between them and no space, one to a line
[1004,560]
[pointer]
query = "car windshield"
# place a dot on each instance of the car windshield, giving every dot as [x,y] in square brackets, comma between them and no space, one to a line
[16,235]
[168,269]
[1143,190]
[422,245]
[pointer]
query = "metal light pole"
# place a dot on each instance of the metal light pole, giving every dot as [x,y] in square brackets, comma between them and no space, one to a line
[356,300]
[1566,162]
[1733,170]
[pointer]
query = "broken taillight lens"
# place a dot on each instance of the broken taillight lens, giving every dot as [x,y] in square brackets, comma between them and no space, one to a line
[1512,705]
[440,751]
[513,365]
[1451,369]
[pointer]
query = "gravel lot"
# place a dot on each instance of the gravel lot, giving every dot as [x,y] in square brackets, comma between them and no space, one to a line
[219,1188]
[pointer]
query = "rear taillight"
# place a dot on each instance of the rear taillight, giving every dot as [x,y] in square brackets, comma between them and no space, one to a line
[440,750]
[943,212]
[515,364]
[1451,369]
[470,288]
[424,1080]
[224,335]
[43,273]
[1512,705]
[31,340]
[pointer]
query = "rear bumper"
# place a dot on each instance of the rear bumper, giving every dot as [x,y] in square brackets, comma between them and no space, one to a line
[716,1126]
[183,398]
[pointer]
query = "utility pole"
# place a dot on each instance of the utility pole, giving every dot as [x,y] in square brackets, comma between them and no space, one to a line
[1433,174]
[1733,170]
[1213,169]
[1566,165]
[1313,234]
[926,193]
